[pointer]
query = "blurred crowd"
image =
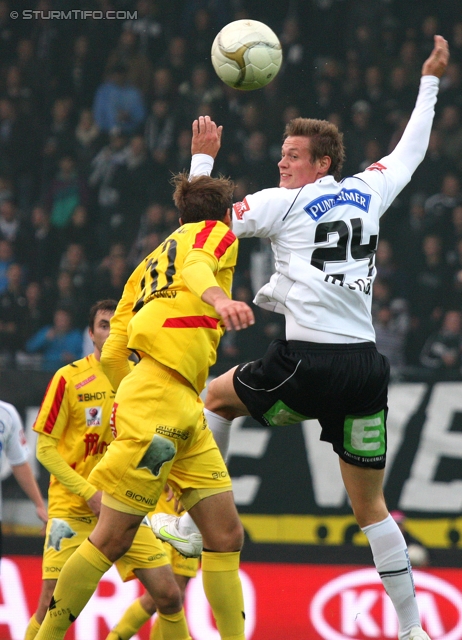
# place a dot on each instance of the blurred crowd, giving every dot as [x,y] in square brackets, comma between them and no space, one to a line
[95,115]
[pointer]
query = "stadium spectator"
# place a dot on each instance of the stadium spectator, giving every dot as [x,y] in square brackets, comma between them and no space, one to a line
[12,305]
[111,281]
[74,261]
[59,342]
[88,141]
[6,259]
[176,60]
[118,105]
[152,222]
[134,177]
[450,129]
[34,315]
[439,206]
[149,28]
[443,349]
[159,130]
[390,317]
[58,139]
[67,191]
[79,75]
[15,230]
[45,247]
[138,66]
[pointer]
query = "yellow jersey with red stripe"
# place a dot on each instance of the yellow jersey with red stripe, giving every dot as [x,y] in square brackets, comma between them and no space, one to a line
[162,317]
[76,411]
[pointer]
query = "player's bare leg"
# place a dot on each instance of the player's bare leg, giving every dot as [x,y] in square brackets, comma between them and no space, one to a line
[364,488]
[48,586]
[222,399]
[111,538]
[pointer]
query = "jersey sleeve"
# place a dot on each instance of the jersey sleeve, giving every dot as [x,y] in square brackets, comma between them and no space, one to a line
[214,249]
[393,172]
[262,214]
[124,311]
[53,414]
[48,455]
[16,449]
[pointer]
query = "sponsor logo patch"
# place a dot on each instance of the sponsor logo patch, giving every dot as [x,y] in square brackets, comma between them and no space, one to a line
[376,166]
[240,208]
[318,207]
[84,382]
[94,416]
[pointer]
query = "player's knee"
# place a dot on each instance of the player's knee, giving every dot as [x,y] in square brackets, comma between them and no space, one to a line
[169,600]
[226,540]
[219,397]
[212,400]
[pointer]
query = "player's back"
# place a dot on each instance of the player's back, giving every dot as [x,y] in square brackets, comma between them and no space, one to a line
[171,324]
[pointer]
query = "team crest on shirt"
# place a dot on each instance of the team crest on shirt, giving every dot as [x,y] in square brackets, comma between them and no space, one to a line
[240,208]
[376,166]
[94,416]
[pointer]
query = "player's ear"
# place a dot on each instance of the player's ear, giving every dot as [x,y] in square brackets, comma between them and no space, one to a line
[324,163]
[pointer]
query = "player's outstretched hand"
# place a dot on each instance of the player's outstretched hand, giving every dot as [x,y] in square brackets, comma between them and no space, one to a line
[206,136]
[436,63]
[235,314]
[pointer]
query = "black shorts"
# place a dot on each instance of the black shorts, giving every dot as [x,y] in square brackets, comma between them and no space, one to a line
[344,386]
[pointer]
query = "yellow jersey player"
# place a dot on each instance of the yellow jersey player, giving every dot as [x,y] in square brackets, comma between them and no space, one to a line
[74,427]
[173,311]
[141,610]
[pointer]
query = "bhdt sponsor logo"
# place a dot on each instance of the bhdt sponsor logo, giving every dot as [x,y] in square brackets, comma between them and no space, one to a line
[354,606]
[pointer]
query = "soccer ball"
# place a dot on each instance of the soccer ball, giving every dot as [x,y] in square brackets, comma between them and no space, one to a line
[246,54]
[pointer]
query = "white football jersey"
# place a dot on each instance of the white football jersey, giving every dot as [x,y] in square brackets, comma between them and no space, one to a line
[324,238]
[324,235]
[12,439]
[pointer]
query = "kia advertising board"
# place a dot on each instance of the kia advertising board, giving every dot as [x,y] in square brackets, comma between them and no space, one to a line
[294,602]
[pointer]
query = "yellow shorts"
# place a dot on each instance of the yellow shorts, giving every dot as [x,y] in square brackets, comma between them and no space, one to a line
[161,433]
[64,535]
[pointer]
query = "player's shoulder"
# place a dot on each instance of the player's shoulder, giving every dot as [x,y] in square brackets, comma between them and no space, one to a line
[76,368]
[7,411]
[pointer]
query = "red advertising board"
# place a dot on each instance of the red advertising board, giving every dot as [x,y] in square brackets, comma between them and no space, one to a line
[291,601]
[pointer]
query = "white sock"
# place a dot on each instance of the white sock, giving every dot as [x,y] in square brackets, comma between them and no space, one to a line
[221,429]
[186,525]
[392,562]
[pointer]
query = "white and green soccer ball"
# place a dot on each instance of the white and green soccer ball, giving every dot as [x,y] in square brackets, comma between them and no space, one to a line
[246,54]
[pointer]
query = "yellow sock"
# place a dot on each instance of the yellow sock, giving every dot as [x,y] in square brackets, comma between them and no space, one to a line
[222,586]
[173,626]
[156,632]
[131,621]
[32,629]
[76,584]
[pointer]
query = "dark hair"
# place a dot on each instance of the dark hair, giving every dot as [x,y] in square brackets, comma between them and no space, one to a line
[101,305]
[202,197]
[324,140]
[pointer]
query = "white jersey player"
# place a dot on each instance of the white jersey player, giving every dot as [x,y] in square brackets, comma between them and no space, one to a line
[324,235]
[13,447]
